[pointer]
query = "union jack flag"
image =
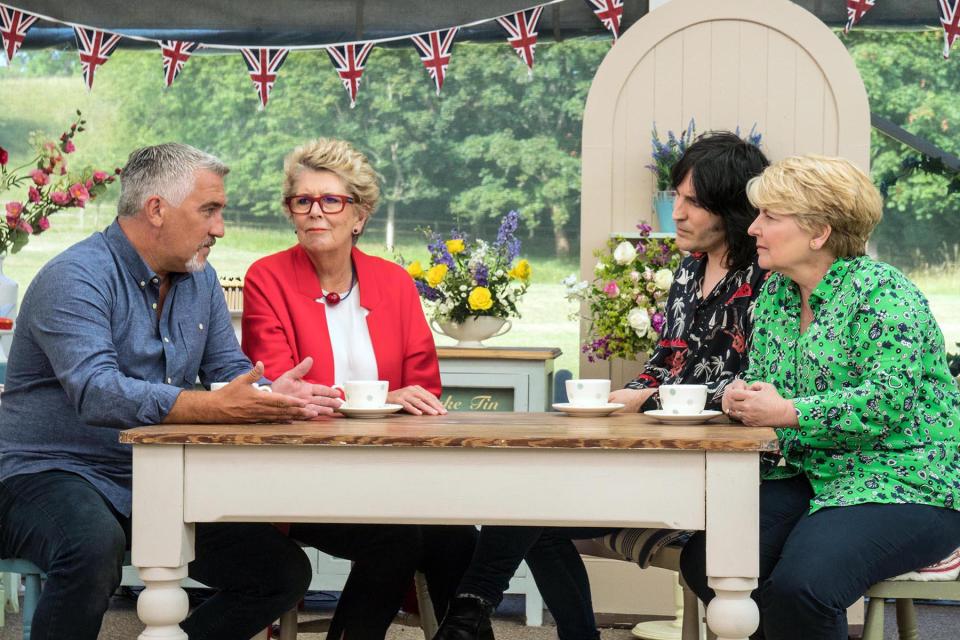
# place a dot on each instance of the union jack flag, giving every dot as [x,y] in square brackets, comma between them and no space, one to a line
[950,19]
[263,65]
[13,29]
[610,12]
[175,55]
[95,48]
[434,50]
[522,30]
[856,9]
[349,60]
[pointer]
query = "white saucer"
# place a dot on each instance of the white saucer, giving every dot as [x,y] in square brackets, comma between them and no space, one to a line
[370,412]
[683,418]
[599,410]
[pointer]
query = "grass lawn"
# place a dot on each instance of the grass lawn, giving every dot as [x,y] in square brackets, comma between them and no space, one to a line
[545,312]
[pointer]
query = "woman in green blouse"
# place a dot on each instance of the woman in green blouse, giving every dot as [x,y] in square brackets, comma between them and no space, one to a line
[848,364]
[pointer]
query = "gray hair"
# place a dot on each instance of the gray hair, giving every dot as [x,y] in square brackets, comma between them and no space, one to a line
[166,170]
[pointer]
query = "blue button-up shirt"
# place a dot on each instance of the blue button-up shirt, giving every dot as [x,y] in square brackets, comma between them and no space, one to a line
[90,358]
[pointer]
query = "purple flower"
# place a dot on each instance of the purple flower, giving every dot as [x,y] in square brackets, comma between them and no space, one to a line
[507,243]
[439,252]
[658,320]
[426,291]
[481,273]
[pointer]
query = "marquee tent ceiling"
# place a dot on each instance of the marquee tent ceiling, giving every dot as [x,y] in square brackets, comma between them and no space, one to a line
[302,22]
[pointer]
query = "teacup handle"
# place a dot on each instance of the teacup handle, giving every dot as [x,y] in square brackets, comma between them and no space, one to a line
[436,326]
[503,329]
[343,392]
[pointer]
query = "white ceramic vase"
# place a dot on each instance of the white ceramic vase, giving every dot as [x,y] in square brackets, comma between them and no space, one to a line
[473,330]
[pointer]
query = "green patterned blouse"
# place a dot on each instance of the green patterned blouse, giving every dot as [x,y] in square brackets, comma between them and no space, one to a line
[878,410]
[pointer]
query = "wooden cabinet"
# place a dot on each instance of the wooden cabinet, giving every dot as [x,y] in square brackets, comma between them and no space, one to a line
[497,379]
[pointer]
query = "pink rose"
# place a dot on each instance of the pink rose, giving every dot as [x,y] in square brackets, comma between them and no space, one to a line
[43,223]
[60,198]
[79,193]
[88,184]
[4,157]
[24,226]
[34,194]
[68,147]
[612,290]
[99,176]
[40,177]
[14,209]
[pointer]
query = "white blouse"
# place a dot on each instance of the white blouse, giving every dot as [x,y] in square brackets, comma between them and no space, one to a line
[353,357]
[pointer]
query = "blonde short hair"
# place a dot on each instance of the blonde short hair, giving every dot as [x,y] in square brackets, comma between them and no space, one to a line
[822,191]
[340,158]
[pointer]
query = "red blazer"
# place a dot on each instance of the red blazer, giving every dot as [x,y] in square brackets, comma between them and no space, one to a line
[283,323]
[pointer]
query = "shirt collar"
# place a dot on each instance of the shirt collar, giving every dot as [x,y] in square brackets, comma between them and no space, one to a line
[120,245]
[829,287]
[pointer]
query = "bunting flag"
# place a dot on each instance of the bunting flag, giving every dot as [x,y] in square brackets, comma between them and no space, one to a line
[349,59]
[950,19]
[434,50]
[95,48]
[13,29]
[610,12]
[856,9]
[522,30]
[263,65]
[175,55]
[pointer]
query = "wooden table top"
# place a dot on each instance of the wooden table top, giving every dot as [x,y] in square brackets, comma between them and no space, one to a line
[499,353]
[471,430]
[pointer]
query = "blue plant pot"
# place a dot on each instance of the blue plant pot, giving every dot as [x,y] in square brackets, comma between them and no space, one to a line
[663,205]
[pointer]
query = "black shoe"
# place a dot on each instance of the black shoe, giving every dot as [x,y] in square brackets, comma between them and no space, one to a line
[468,618]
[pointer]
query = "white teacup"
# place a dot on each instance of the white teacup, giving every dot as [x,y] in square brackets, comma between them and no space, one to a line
[588,392]
[683,399]
[364,394]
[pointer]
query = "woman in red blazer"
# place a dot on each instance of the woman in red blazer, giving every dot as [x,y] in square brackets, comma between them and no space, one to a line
[359,318]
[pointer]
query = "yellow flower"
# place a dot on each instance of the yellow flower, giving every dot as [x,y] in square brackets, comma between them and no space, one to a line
[415,270]
[436,274]
[521,271]
[455,246]
[480,299]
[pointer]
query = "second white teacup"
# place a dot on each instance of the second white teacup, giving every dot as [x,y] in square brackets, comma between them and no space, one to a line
[364,394]
[683,399]
[587,392]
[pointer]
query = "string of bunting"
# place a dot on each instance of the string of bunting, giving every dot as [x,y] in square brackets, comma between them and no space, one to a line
[949,19]
[434,47]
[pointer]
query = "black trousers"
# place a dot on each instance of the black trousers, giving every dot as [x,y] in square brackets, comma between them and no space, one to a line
[385,558]
[812,567]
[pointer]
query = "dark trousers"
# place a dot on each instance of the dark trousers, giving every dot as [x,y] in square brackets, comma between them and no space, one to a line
[385,558]
[556,567]
[812,567]
[61,523]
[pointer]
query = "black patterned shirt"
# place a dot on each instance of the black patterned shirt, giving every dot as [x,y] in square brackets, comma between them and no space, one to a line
[878,411]
[704,341]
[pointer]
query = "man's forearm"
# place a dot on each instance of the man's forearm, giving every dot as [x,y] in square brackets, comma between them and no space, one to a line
[195,407]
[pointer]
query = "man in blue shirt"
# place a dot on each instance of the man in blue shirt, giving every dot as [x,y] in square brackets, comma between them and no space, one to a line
[112,334]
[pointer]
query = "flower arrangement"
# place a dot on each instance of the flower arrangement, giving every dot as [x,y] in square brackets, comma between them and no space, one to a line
[666,154]
[50,188]
[627,298]
[473,278]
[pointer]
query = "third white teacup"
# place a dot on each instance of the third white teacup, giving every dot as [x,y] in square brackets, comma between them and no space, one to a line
[683,399]
[588,392]
[364,394]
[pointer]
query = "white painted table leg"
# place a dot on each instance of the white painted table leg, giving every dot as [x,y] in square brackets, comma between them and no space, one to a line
[733,543]
[162,604]
[732,614]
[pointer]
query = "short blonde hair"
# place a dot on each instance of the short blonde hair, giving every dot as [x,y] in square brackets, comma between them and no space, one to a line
[821,191]
[340,158]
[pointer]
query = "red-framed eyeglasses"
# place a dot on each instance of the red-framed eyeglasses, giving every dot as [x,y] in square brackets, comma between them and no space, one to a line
[301,204]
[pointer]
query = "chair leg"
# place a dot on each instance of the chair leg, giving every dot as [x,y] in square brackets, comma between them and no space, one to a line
[907,619]
[691,614]
[12,584]
[873,624]
[31,594]
[428,618]
[288,625]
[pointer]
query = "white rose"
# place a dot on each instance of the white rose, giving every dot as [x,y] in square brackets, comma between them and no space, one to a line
[639,321]
[663,279]
[624,253]
[598,267]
